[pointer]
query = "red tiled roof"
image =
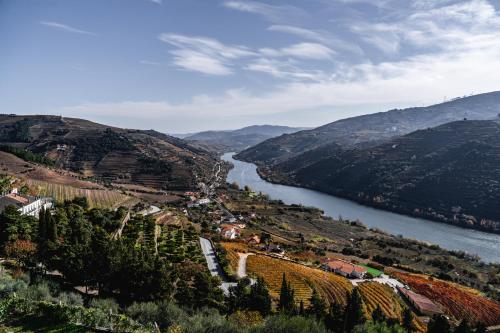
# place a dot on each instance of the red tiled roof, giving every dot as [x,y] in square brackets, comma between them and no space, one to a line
[423,303]
[344,266]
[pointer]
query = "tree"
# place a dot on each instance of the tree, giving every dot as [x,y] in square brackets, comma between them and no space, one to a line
[378,315]
[287,300]
[480,328]
[22,250]
[374,327]
[463,327]
[51,227]
[259,299]
[334,320]
[318,306]
[438,324]
[354,311]
[42,226]
[407,321]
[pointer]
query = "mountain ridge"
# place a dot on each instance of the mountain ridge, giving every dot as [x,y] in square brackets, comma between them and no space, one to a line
[372,129]
[109,153]
[447,173]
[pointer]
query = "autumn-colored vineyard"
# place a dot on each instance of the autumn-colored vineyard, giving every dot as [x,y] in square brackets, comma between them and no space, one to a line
[233,248]
[374,294]
[331,287]
[379,294]
[456,300]
[96,198]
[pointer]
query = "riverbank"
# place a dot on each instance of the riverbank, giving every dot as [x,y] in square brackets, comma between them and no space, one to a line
[485,245]
[268,177]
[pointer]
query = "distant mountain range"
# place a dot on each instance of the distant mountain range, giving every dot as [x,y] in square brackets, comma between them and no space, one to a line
[427,162]
[371,129]
[108,153]
[237,140]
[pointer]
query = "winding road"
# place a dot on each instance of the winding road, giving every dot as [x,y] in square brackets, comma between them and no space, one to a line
[213,265]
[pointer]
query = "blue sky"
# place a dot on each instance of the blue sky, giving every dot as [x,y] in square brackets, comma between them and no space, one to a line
[185,65]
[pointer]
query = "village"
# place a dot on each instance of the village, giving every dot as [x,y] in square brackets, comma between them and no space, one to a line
[233,228]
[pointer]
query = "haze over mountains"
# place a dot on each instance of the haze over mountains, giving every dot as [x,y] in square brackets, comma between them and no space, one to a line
[370,129]
[237,140]
[108,153]
[399,160]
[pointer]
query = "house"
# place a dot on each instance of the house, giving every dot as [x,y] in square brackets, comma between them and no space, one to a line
[275,249]
[192,204]
[204,201]
[27,205]
[254,240]
[423,305]
[230,231]
[344,268]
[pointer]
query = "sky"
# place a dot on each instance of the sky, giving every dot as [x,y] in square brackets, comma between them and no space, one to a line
[180,66]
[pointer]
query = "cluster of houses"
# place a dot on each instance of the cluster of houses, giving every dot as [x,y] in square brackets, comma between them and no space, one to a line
[26,204]
[344,268]
[195,200]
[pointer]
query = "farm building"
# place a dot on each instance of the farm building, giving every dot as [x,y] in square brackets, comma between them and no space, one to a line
[254,240]
[27,205]
[344,268]
[230,232]
[424,305]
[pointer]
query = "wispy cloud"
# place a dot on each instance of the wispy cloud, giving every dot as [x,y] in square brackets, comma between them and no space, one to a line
[67,28]
[284,70]
[200,62]
[159,2]
[210,56]
[320,36]
[300,50]
[273,13]
[204,55]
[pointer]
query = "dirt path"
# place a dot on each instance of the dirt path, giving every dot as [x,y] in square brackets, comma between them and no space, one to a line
[242,264]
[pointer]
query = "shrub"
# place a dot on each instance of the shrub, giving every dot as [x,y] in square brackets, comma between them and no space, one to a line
[105,304]
[296,324]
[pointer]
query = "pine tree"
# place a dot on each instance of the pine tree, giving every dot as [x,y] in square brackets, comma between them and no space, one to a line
[286,302]
[378,315]
[463,327]
[407,322]
[301,308]
[51,227]
[438,324]
[480,328]
[318,306]
[334,320]
[259,299]
[354,311]
[42,226]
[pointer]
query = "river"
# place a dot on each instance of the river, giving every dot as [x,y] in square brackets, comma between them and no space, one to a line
[485,245]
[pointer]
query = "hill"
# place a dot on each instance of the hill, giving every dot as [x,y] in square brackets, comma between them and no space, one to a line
[237,140]
[448,173]
[108,153]
[371,129]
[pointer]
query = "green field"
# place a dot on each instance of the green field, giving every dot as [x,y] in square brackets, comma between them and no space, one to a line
[374,272]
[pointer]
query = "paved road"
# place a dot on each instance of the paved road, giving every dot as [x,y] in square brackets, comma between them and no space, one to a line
[213,264]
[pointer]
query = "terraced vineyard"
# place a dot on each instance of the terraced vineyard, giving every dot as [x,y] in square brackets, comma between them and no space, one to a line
[379,294]
[96,198]
[233,249]
[458,301]
[331,287]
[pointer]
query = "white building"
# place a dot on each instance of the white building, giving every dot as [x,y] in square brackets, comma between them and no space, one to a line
[27,205]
